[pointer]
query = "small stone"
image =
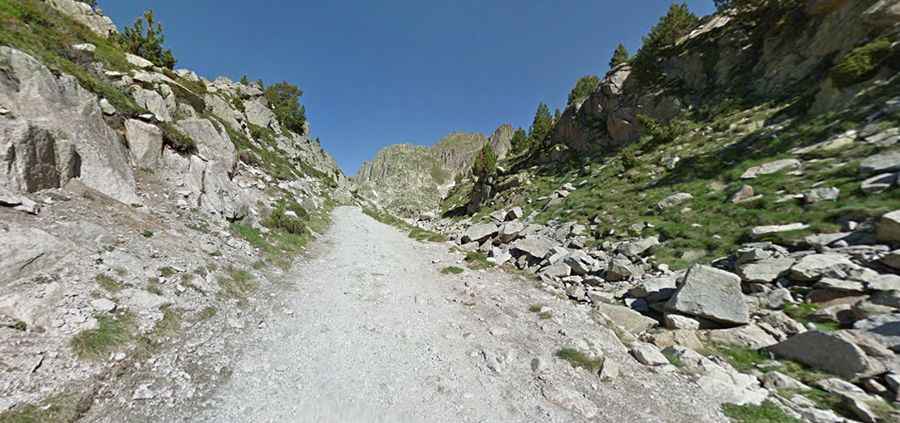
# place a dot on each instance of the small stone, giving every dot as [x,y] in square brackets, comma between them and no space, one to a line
[648,354]
[610,370]
[771,167]
[674,200]
[821,194]
[103,305]
[760,231]
[743,194]
[677,322]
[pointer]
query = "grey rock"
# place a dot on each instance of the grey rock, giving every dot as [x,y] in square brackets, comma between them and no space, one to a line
[888,229]
[777,299]
[515,213]
[648,355]
[58,133]
[27,250]
[892,259]
[537,248]
[881,163]
[138,61]
[765,271]
[620,270]
[103,305]
[748,336]
[778,381]
[712,294]
[880,183]
[145,143]
[885,328]
[258,113]
[18,202]
[558,270]
[655,290]
[827,351]
[153,102]
[581,263]
[813,267]
[632,321]
[510,231]
[674,200]
[141,301]
[821,194]
[610,370]
[107,108]
[678,322]
[760,231]
[771,167]
[742,195]
[86,15]
[638,247]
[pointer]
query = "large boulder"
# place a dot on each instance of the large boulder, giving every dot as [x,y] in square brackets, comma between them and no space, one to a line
[479,232]
[711,294]
[58,125]
[888,229]
[510,231]
[258,113]
[153,102]
[535,247]
[814,267]
[636,323]
[86,15]
[145,143]
[27,250]
[213,145]
[831,352]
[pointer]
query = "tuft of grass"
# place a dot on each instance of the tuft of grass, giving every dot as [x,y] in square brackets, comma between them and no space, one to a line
[61,408]
[207,313]
[153,286]
[535,308]
[169,325]
[545,315]
[147,233]
[767,412]
[452,270]
[579,359]
[743,359]
[422,235]
[111,332]
[108,283]
[167,271]
[476,260]
[238,284]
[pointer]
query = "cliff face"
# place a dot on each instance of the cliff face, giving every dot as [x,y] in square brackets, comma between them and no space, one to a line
[745,60]
[411,179]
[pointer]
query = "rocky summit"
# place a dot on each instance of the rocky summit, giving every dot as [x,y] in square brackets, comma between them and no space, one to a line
[707,232]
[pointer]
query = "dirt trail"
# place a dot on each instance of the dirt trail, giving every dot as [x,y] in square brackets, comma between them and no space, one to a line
[373,332]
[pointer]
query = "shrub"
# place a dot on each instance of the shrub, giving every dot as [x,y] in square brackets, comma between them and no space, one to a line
[519,141]
[584,87]
[280,219]
[662,133]
[146,39]
[861,63]
[285,101]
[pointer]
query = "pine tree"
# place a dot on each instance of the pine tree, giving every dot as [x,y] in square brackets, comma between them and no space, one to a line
[677,22]
[584,87]
[485,162]
[519,141]
[619,56]
[541,126]
[146,39]
[556,116]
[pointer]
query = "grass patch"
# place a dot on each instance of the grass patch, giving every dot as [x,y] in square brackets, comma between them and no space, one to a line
[167,271]
[169,325]
[207,313]
[767,412]
[579,359]
[674,359]
[176,139]
[62,408]
[147,234]
[108,283]
[476,260]
[452,270]
[861,63]
[111,333]
[237,284]
[422,235]
[154,287]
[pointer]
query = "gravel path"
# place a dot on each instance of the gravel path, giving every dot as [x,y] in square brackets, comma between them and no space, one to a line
[372,332]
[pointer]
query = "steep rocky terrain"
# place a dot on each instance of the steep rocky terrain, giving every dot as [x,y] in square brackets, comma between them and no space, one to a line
[388,180]
[139,207]
[734,198]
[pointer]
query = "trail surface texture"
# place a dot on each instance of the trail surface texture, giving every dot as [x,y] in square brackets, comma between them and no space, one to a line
[373,332]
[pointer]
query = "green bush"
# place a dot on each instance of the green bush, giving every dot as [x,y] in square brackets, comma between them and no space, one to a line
[861,63]
[285,101]
[177,140]
[662,133]
[146,39]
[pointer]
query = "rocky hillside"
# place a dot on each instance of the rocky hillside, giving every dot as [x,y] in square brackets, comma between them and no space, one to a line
[138,205]
[397,171]
[727,201]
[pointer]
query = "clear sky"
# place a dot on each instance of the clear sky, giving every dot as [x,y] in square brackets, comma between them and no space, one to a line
[383,72]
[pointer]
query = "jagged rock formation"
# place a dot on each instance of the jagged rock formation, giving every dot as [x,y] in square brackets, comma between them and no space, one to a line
[774,60]
[410,179]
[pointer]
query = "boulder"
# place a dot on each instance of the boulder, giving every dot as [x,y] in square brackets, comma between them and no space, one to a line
[711,294]
[27,250]
[749,336]
[632,321]
[18,202]
[830,352]
[772,167]
[892,259]
[761,231]
[258,113]
[138,61]
[58,133]
[678,322]
[153,102]
[888,229]
[880,183]
[744,194]
[638,247]
[479,232]
[814,267]
[885,328]
[86,15]
[558,270]
[674,200]
[620,269]
[765,271]
[581,263]
[536,247]
[816,195]
[144,142]
[648,354]
[514,213]
[881,163]
[655,290]
[510,231]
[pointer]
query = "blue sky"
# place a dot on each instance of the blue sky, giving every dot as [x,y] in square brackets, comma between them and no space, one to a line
[376,73]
